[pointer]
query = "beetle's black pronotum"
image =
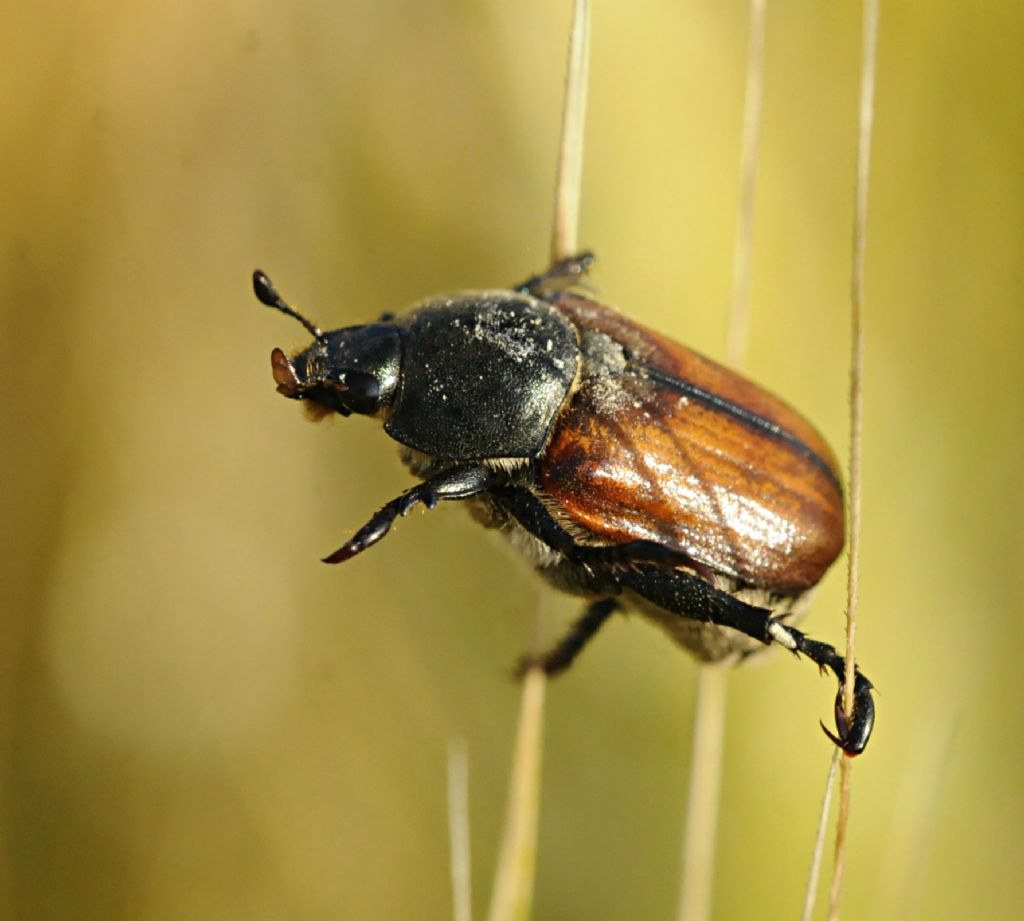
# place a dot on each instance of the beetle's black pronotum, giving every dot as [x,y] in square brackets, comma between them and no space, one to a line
[629,469]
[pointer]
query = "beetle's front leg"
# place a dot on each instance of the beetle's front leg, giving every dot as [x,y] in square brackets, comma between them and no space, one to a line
[456,483]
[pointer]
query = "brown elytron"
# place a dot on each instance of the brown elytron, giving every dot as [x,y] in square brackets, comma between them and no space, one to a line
[715,467]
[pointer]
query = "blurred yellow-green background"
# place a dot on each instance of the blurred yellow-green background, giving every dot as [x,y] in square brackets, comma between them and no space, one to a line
[199,720]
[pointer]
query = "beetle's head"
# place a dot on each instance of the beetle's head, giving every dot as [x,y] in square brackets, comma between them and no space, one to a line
[351,370]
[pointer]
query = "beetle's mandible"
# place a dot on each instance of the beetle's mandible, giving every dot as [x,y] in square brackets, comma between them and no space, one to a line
[630,470]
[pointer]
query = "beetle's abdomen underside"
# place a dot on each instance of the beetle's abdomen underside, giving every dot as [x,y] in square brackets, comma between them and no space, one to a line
[677,449]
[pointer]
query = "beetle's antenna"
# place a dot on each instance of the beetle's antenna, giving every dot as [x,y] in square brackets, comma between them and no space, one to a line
[267,294]
[565,232]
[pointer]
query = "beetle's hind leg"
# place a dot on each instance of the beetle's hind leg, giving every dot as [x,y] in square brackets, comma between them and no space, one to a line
[854,731]
[692,597]
[686,595]
[560,656]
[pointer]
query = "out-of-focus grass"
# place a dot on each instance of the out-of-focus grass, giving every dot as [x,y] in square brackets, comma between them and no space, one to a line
[201,721]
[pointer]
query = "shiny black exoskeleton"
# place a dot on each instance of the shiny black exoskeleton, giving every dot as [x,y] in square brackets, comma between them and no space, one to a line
[502,397]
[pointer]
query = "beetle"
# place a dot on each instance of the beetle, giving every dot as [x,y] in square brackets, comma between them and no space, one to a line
[629,469]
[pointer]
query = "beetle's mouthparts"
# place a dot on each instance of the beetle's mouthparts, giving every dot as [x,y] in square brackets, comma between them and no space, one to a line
[284,374]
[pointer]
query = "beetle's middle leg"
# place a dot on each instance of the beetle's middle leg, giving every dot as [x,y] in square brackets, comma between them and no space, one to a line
[560,656]
[573,266]
[455,483]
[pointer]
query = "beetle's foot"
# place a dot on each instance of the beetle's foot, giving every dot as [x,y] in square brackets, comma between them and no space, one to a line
[525,664]
[365,537]
[572,267]
[552,662]
[577,264]
[852,733]
[379,525]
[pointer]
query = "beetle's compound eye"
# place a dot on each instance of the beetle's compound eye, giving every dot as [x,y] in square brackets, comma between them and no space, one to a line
[360,392]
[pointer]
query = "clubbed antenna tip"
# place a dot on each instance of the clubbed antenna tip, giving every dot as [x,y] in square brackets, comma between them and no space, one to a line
[267,294]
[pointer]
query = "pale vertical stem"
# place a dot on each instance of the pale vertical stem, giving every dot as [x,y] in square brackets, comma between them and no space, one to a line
[458,829]
[819,840]
[709,725]
[513,884]
[750,146]
[703,796]
[512,895]
[867,104]
[842,827]
[869,59]
[513,881]
[568,186]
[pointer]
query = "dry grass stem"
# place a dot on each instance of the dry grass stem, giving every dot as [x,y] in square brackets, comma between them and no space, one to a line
[842,827]
[703,796]
[750,144]
[569,184]
[458,829]
[819,840]
[869,61]
[709,727]
[512,895]
[513,880]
